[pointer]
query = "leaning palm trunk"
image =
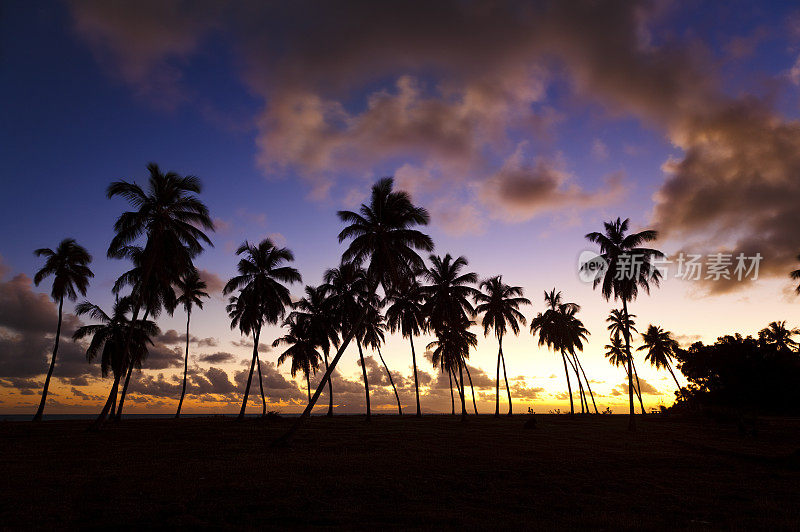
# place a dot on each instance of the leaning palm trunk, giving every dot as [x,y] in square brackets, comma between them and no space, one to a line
[452,397]
[638,387]
[581,395]
[364,373]
[505,378]
[308,385]
[497,382]
[461,389]
[472,388]
[185,365]
[256,337]
[631,413]
[330,389]
[261,386]
[118,415]
[391,381]
[416,382]
[673,376]
[569,386]
[588,386]
[40,410]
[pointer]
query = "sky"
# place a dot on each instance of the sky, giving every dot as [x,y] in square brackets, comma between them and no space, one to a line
[520,126]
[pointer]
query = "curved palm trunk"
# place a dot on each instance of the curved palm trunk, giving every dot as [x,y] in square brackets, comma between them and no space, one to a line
[261,386]
[638,387]
[40,410]
[673,376]
[452,397]
[416,382]
[631,418]
[581,395]
[364,372]
[497,381]
[578,360]
[256,337]
[330,389]
[185,365]
[118,415]
[391,381]
[505,377]
[463,403]
[569,386]
[472,388]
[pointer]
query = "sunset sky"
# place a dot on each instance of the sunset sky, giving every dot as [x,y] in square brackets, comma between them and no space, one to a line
[520,127]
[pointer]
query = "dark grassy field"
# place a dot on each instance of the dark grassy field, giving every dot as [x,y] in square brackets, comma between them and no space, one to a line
[401,473]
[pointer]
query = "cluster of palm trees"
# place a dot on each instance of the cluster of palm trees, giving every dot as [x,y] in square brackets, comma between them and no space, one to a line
[381,285]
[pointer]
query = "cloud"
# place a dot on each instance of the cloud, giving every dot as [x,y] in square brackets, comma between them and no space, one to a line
[173,337]
[646,388]
[214,282]
[217,358]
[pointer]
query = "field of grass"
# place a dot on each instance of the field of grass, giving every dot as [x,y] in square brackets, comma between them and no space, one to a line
[402,473]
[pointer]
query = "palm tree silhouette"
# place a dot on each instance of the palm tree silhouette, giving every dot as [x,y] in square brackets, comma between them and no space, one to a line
[373,337]
[795,274]
[69,266]
[618,323]
[171,219]
[109,337]
[382,236]
[263,297]
[316,308]
[405,314]
[191,289]
[302,348]
[776,334]
[450,351]
[560,329]
[615,352]
[499,306]
[660,348]
[629,267]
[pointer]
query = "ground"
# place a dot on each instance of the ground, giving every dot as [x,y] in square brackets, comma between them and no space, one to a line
[402,473]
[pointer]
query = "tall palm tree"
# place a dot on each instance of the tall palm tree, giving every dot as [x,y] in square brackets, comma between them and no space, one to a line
[263,296]
[316,308]
[111,334]
[302,348]
[69,266]
[405,314]
[450,351]
[499,304]
[383,237]
[778,335]
[630,268]
[191,289]
[618,323]
[559,328]
[660,348]
[449,294]
[171,219]
[373,337]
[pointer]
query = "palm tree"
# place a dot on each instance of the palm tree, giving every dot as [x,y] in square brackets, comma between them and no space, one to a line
[660,348]
[615,352]
[191,289]
[171,219]
[776,334]
[405,314]
[795,274]
[618,323]
[562,331]
[448,296]
[302,348]
[316,308]
[382,236]
[69,266]
[450,351]
[263,297]
[111,334]
[499,306]
[373,337]
[629,268]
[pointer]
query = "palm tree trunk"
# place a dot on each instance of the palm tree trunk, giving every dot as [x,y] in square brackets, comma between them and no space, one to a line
[452,397]
[497,385]
[118,415]
[250,375]
[631,413]
[578,360]
[416,382]
[112,400]
[581,395]
[569,386]
[308,385]
[185,364]
[364,372]
[505,377]
[638,387]
[391,381]
[261,386]
[284,438]
[673,376]
[472,388]
[330,389]
[463,403]
[40,410]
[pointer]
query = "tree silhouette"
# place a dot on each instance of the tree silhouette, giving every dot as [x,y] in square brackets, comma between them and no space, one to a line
[499,305]
[302,348]
[382,236]
[263,296]
[373,337]
[191,290]
[618,323]
[629,268]
[171,219]
[450,351]
[405,314]
[69,266]
[660,349]
[776,334]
